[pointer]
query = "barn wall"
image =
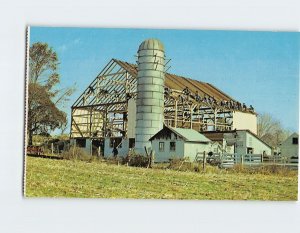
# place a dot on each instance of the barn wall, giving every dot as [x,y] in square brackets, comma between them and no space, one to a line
[164,156]
[258,146]
[289,149]
[241,143]
[123,151]
[243,120]
[245,139]
[82,120]
[131,118]
[191,149]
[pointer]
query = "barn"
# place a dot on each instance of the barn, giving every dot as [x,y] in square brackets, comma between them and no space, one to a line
[126,104]
[180,143]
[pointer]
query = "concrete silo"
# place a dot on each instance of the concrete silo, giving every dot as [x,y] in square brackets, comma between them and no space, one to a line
[150,92]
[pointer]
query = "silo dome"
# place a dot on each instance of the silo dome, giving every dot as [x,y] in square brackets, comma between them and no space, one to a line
[151,44]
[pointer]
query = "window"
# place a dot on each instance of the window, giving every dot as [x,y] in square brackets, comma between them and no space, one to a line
[249,150]
[295,141]
[172,146]
[161,146]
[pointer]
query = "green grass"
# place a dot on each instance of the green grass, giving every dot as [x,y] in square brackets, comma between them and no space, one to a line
[69,178]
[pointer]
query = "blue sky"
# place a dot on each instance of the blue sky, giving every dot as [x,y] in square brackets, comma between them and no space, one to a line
[258,68]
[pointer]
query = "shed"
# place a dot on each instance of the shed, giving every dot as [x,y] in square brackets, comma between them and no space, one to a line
[289,147]
[172,142]
[240,142]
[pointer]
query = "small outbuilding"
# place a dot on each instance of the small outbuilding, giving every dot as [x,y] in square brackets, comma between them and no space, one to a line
[240,142]
[178,143]
[289,147]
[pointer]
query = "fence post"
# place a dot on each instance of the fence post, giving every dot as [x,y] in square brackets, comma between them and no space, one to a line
[242,160]
[52,148]
[204,161]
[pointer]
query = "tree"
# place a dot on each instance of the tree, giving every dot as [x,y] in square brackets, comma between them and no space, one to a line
[270,130]
[44,95]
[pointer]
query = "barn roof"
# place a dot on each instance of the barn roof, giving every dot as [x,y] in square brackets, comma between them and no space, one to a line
[179,83]
[188,135]
[217,136]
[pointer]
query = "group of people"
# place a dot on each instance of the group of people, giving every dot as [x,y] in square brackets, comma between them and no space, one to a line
[229,104]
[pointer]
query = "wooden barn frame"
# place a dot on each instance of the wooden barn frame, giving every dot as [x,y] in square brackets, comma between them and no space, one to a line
[102,109]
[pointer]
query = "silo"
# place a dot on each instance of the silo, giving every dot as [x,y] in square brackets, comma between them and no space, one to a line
[150,92]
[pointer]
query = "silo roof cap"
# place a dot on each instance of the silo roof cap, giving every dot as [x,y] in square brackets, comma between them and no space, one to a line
[152,44]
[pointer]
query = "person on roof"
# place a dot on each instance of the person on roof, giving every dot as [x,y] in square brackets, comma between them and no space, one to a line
[186,91]
[197,97]
[91,90]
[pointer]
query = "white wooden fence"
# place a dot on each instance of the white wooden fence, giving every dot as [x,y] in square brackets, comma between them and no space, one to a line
[228,160]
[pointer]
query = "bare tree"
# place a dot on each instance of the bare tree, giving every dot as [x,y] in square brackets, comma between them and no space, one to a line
[270,130]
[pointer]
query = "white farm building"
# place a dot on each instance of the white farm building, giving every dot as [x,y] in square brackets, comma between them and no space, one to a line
[240,142]
[172,142]
[290,148]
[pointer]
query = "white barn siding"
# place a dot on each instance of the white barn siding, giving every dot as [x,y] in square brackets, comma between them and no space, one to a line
[164,156]
[289,149]
[245,140]
[258,146]
[131,118]
[243,120]
[122,151]
[191,149]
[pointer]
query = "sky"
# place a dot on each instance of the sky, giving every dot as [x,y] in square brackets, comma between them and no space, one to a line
[254,67]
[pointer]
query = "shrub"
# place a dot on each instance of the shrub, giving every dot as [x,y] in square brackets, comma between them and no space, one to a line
[137,160]
[76,153]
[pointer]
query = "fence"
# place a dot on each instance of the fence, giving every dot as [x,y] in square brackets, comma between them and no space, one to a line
[228,160]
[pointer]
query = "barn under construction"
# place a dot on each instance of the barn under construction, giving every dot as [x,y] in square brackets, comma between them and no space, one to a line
[128,103]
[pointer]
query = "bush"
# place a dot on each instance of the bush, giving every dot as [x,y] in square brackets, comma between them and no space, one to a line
[138,160]
[76,153]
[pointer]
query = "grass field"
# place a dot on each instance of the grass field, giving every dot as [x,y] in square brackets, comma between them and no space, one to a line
[71,178]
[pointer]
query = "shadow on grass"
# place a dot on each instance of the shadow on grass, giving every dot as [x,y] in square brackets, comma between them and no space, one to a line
[45,156]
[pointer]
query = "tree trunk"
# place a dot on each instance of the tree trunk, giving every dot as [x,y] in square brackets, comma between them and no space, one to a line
[30,138]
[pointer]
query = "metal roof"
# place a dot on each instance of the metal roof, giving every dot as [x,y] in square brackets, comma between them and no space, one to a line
[215,136]
[179,83]
[190,135]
